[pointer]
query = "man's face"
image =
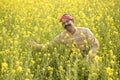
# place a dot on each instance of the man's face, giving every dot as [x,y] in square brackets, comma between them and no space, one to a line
[67,24]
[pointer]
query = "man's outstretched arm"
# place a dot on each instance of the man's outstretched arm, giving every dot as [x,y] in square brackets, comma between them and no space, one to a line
[36,46]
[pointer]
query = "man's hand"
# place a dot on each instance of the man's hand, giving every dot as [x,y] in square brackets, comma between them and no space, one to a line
[36,46]
[33,44]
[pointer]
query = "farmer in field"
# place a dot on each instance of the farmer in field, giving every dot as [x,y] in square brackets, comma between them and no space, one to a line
[82,38]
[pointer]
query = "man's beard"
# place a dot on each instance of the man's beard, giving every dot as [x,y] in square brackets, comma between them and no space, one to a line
[68,26]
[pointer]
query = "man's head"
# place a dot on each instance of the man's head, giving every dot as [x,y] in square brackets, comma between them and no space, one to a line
[67,21]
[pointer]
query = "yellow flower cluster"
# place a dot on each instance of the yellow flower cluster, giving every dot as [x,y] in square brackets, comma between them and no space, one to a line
[109,71]
[19,69]
[4,67]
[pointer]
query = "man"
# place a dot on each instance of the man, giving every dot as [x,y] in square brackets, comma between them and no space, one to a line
[82,38]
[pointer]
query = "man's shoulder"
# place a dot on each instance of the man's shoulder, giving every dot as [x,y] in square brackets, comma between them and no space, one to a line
[62,34]
[82,28]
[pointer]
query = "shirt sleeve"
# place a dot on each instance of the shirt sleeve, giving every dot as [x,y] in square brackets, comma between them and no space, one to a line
[56,40]
[93,42]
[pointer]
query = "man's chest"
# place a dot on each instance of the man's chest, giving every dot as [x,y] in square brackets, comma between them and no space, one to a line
[78,38]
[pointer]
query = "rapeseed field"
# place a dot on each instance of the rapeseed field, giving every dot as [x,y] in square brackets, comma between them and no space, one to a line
[23,20]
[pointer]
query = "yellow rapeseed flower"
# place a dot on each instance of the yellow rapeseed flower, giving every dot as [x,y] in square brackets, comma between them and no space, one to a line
[109,71]
[112,62]
[48,54]
[85,41]
[82,34]
[43,69]
[116,72]
[45,55]
[83,68]
[110,79]
[118,79]
[94,74]
[38,66]
[68,65]
[61,68]
[43,47]
[62,40]
[36,28]
[32,62]
[115,32]
[73,69]
[90,52]
[113,57]
[26,74]
[17,63]
[96,58]
[111,51]
[1,38]
[13,71]
[66,36]
[19,69]
[50,68]
[39,59]
[28,70]
[4,67]
[27,79]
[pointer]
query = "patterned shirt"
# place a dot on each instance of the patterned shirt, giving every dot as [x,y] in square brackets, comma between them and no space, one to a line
[83,39]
